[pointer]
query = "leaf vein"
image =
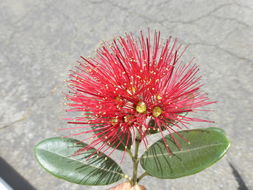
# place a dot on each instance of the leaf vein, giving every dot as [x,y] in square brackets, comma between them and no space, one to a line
[182,151]
[107,170]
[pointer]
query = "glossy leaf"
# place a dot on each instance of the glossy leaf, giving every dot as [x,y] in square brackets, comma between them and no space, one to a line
[206,147]
[216,129]
[56,155]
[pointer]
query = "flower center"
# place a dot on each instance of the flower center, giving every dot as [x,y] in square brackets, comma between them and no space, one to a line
[114,121]
[118,99]
[128,118]
[141,107]
[157,111]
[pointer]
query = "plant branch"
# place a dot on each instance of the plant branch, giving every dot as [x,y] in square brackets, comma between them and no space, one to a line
[142,176]
[130,153]
[136,160]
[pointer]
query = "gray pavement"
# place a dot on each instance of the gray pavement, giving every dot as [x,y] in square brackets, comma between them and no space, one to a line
[41,40]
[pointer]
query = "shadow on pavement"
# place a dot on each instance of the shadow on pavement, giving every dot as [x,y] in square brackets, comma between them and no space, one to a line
[12,177]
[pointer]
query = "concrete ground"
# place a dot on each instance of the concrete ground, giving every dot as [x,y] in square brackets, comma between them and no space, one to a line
[41,40]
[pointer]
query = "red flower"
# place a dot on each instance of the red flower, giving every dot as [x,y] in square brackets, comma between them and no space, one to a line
[134,85]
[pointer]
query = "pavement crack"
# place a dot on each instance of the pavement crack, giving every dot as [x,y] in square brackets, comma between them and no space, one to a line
[238,178]
[232,20]
[26,115]
[203,16]
[211,14]
[129,11]
[217,47]
[13,123]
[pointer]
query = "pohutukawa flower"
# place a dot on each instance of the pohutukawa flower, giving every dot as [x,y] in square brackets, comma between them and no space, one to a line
[134,85]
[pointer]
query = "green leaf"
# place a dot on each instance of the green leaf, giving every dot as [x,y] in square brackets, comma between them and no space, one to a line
[56,156]
[206,147]
[216,129]
[121,141]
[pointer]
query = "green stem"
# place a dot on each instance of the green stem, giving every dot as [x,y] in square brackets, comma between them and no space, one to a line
[136,161]
[130,153]
[141,176]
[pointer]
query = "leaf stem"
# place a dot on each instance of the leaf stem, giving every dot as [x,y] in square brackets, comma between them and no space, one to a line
[141,176]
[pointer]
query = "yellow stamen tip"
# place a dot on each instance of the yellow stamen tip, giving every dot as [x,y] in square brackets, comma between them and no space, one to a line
[157,111]
[158,97]
[141,107]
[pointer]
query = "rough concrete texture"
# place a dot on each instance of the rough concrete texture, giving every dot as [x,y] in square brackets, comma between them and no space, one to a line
[41,40]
